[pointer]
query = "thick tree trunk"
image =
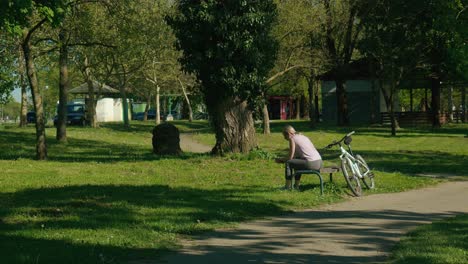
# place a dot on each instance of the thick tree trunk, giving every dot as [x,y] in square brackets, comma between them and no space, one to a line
[91,103]
[342,104]
[450,103]
[435,102]
[388,97]
[61,135]
[91,106]
[266,120]
[189,105]
[147,107]
[298,108]
[311,92]
[234,127]
[316,100]
[24,96]
[41,146]
[158,106]
[24,103]
[123,94]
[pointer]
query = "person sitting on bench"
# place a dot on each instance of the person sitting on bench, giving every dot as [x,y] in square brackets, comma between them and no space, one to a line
[302,156]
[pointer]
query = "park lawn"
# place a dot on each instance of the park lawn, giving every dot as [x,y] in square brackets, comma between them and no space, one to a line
[444,242]
[105,198]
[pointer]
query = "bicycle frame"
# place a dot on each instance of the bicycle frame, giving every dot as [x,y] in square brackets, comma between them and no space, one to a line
[353,162]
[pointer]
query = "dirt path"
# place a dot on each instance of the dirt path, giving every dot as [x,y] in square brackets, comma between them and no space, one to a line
[187,144]
[361,230]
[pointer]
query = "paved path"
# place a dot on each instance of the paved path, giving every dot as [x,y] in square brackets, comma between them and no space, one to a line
[361,230]
[187,144]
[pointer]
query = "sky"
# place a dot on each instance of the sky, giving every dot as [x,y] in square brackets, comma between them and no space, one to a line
[17,95]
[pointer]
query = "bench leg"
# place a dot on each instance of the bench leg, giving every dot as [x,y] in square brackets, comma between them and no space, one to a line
[331,177]
[320,178]
[321,183]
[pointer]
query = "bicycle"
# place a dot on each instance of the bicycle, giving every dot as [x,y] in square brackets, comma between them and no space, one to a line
[354,167]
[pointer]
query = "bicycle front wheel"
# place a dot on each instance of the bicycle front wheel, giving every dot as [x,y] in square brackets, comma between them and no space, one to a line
[368,179]
[351,179]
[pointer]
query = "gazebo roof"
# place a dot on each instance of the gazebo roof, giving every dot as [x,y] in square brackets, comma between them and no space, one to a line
[98,88]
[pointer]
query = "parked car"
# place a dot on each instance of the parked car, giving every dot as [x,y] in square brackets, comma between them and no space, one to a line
[31,117]
[76,115]
[151,115]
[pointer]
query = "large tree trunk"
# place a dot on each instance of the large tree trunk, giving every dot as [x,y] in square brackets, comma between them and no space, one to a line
[126,120]
[435,101]
[61,135]
[266,120]
[189,105]
[316,99]
[342,104]
[41,146]
[24,96]
[298,108]
[91,103]
[311,92]
[158,106]
[388,97]
[234,127]
[147,108]
[450,103]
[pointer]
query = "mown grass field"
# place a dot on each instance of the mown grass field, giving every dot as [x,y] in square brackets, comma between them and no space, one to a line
[105,198]
[444,242]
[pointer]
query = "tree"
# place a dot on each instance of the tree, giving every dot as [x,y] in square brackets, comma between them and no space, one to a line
[445,32]
[25,18]
[228,46]
[291,32]
[342,26]
[392,47]
[7,51]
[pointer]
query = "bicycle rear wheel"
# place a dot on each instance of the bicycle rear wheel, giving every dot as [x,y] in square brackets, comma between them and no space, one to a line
[363,167]
[351,179]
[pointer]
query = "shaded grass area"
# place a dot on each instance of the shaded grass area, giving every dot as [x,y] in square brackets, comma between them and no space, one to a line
[105,198]
[443,241]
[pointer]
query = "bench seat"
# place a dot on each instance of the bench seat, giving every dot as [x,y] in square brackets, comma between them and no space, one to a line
[330,170]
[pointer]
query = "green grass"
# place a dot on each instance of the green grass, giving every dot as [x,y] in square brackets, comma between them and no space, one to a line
[105,198]
[444,242]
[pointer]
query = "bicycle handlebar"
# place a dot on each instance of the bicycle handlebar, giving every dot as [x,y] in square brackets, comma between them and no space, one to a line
[338,142]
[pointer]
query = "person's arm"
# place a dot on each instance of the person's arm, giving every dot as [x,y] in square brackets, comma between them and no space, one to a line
[292,149]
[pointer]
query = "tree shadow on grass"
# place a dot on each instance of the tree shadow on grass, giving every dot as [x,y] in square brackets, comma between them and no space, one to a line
[417,162]
[16,145]
[445,131]
[143,127]
[32,219]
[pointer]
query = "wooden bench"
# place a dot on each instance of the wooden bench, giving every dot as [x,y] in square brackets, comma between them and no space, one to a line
[330,170]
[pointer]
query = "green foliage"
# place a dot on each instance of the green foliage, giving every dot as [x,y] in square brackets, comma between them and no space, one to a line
[227,45]
[11,109]
[7,69]
[14,15]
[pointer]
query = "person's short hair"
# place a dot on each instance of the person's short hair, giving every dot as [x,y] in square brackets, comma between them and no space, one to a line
[288,129]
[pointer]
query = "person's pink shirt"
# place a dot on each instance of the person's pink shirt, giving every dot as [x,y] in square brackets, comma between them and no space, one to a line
[305,149]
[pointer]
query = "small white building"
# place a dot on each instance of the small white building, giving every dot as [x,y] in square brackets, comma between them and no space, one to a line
[107,109]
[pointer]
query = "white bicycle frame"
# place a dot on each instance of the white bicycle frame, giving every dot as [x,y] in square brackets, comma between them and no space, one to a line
[353,162]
